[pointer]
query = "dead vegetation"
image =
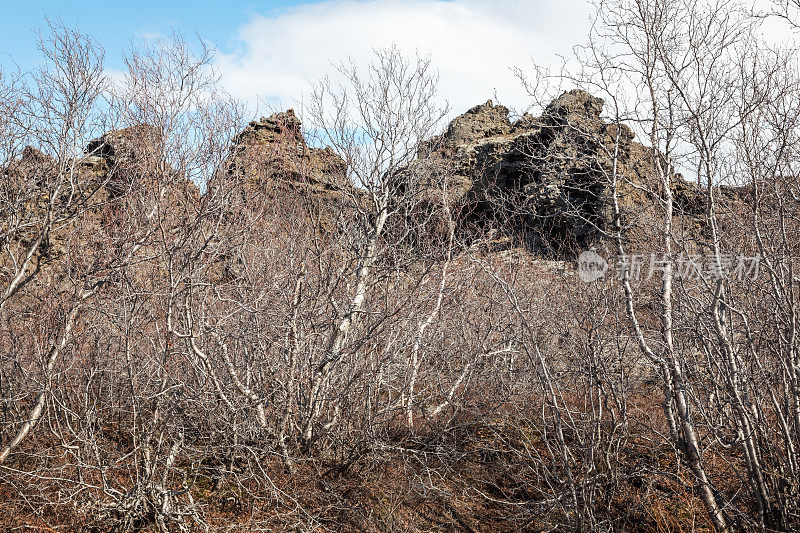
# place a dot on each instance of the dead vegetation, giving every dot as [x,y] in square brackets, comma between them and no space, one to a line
[202,330]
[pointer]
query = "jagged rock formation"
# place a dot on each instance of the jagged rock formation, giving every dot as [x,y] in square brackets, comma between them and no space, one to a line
[133,160]
[272,155]
[130,163]
[116,171]
[127,154]
[547,178]
[544,180]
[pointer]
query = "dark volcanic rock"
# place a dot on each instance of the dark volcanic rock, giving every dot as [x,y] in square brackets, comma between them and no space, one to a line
[128,156]
[273,152]
[545,179]
[133,145]
[480,122]
[270,161]
[95,193]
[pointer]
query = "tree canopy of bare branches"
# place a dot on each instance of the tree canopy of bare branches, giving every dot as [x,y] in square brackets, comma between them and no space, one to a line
[207,325]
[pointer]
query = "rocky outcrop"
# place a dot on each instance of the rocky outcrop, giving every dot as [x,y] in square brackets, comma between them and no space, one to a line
[126,156]
[98,191]
[272,155]
[132,163]
[545,178]
[541,179]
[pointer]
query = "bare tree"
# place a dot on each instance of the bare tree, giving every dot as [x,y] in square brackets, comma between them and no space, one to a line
[698,79]
[57,109]
[377,124]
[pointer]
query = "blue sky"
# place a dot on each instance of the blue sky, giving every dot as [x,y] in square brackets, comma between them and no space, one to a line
[115,23]
[269,50]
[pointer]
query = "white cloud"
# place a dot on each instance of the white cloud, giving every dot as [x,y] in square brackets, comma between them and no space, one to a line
[473,44]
